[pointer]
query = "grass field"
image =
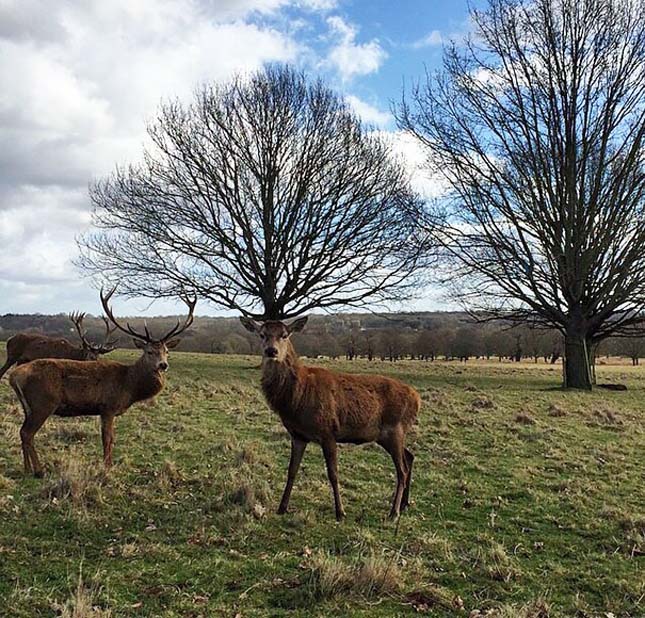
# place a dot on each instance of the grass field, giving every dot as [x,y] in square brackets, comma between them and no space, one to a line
[527,502]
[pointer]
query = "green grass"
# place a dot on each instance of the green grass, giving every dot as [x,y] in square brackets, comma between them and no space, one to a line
[527,500]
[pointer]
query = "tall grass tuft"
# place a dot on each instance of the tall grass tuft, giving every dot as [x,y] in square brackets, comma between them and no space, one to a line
[82,603]
[368,577]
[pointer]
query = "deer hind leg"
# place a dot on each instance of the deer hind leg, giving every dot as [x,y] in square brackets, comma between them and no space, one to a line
[392,442]
[297,451]
[35,416]
[330,451]
[409,460]
[28,430]
[107,436]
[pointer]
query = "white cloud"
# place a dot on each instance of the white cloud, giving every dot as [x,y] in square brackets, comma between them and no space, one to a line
[37,234]
[432,39]
[78,80]
[415,158]
[368,113]
[319,5]
[349,57]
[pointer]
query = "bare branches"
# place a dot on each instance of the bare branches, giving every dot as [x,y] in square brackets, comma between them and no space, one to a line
[264,195]
[538,127]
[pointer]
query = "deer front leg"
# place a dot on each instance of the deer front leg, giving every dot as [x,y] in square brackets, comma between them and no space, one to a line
[330,450]
[297,451]
[107,434]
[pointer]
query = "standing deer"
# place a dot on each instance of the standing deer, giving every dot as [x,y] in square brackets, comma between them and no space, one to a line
[26,347]
[317,405]
[93,388]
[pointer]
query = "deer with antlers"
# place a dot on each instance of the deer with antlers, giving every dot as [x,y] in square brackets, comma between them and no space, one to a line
[25,347]
[93,388]
[327,407]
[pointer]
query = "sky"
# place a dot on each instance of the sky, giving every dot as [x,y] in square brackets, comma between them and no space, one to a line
[79,79]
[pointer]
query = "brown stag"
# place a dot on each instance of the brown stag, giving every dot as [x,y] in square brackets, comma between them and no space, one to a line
[26,347]
[317,405]
[94,388]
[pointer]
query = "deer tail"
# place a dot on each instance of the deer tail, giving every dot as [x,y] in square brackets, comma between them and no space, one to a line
[15,384]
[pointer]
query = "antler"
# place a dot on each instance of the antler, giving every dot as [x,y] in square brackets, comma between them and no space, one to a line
[147,337]
[77,319]
[127,329]
[108,344]
[180,328]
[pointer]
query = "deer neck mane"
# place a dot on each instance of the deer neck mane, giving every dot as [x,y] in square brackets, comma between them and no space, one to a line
[143,382]
[280,380]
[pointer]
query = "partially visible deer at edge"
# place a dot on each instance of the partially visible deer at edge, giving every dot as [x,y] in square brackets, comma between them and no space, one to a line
[317,405]
[92,388]
[25,347]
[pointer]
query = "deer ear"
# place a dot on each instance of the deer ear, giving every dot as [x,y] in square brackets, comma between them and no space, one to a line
[173,343]
[250,325]
[298,325]
[139,344]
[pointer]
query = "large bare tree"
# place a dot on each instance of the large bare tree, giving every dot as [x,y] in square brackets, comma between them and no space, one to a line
[265,195]
[536,126]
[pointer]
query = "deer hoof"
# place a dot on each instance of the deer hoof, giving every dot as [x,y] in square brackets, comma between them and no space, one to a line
[282,510]
[39,474]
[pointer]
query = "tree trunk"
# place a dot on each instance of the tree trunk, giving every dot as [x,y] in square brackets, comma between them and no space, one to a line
[577,366]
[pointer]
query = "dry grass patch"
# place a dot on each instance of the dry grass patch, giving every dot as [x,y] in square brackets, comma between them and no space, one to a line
[6,484]
[79,430]
[82,603]
[169,475]
[606,416]
[633,528]
[368,577]
[253,454]
[556,411]
[482,403]
[76,481]
[535,609]
[495,562]
[525,419]
[244,492]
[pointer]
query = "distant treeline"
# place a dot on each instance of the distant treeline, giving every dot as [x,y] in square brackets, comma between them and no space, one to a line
[423,336]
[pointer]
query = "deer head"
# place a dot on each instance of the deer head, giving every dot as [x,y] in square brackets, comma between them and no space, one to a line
[274,335]
[154,350]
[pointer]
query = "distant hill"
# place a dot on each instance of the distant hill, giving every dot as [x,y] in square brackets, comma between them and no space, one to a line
[225,334]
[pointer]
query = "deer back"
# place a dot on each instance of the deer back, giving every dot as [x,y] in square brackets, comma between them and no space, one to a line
[25,347]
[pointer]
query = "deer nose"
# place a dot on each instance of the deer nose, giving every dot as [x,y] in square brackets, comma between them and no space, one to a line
[163,365]
[271,352]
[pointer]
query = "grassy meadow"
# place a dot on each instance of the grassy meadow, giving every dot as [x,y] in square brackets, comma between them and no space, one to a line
[527,502]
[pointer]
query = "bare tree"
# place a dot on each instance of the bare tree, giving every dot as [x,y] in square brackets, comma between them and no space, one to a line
[634,348]
[536,125]
[465,343]
[265,195]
